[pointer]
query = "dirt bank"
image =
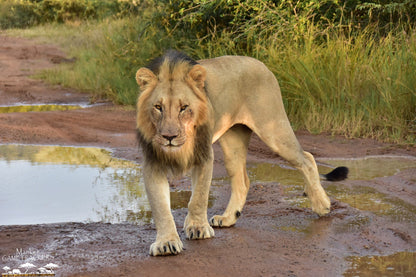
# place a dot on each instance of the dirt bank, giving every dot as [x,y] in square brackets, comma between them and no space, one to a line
[272,238]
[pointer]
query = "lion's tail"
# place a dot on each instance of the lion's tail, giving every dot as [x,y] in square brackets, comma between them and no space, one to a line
[338,174]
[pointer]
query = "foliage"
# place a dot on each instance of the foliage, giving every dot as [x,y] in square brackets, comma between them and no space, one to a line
[352,85]
[345,66]
[248,21]
[27,13]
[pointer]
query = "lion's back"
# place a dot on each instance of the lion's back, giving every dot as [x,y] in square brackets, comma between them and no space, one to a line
[233,81]
[235,68]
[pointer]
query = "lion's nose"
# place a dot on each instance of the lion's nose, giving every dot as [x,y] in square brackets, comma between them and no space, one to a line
[169,138]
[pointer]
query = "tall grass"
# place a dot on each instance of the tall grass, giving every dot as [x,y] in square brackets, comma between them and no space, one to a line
[99,69]
[356,86]
[105,63]
[28,13]
[342,83]
[335,77]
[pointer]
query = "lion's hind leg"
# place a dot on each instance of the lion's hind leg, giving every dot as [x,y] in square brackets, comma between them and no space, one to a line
[319,200]
[234,144]
[279,136]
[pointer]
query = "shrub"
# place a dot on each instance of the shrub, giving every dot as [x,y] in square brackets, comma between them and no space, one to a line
[27,13]
[345,67]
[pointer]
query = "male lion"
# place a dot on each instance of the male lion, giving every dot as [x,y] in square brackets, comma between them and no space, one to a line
[183,108]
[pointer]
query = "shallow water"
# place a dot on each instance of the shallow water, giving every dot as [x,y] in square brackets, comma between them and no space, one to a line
[45,184]
[38,108]
[366,168]
[48,184]
[369,199]
[398,264]
[360,197]
[372,167]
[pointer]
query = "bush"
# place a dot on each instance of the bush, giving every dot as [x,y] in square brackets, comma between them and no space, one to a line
[345,67]
[27,13]
[253,20]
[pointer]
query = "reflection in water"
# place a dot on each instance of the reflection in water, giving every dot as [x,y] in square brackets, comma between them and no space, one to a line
[38,108]
[399,264]
[290,179]
[366,168]
[45,184]
[360,197]
[180,199]
[372,167]
[369,199]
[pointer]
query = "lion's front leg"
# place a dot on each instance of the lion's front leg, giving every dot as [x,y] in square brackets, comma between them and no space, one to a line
[196,222]
[167,238]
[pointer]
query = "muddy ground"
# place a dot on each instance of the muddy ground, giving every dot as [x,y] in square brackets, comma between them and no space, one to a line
[272,238]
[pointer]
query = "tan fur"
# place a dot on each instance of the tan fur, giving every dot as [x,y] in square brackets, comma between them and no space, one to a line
[232,97]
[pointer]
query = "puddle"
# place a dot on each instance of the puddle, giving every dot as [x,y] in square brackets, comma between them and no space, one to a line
[180,199]
[366,168]
[288,178]
[399,264]
[360,197]
[49,184]
[372,167]
[369,199]
[39,108]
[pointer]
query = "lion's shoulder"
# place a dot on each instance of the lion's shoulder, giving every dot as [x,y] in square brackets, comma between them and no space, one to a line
[235,61]
[231,70]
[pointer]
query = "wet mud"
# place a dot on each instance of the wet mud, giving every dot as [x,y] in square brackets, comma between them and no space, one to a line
[371,229]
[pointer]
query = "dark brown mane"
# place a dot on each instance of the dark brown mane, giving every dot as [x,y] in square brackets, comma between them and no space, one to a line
[155,156]
[173,57]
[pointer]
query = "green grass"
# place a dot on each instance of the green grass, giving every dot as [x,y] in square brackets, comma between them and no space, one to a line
[338,79]
[354,86]
[99,68]
[29,13]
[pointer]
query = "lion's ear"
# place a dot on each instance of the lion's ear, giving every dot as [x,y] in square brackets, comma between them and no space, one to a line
[198,75]
[144,77]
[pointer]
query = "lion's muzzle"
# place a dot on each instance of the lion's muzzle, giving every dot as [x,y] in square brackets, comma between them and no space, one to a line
[169,142]
[169,139]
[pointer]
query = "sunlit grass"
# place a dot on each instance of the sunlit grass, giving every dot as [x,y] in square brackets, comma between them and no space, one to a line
[334,81]
[98,69]
[354,86]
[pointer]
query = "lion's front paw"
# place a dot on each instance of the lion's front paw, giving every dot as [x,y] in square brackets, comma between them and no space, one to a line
[224,220]
[199,232]
[163,247]
[321,205]
[195,230]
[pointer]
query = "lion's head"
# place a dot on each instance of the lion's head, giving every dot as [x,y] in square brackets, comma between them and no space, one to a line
[173,112]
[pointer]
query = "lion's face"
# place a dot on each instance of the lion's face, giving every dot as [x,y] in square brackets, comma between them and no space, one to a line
[173,113]
[170,108]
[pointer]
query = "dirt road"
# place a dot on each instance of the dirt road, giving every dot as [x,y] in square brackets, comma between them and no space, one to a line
[272,238]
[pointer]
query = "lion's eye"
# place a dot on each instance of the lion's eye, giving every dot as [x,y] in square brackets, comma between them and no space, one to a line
[158,107]
[183,108]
